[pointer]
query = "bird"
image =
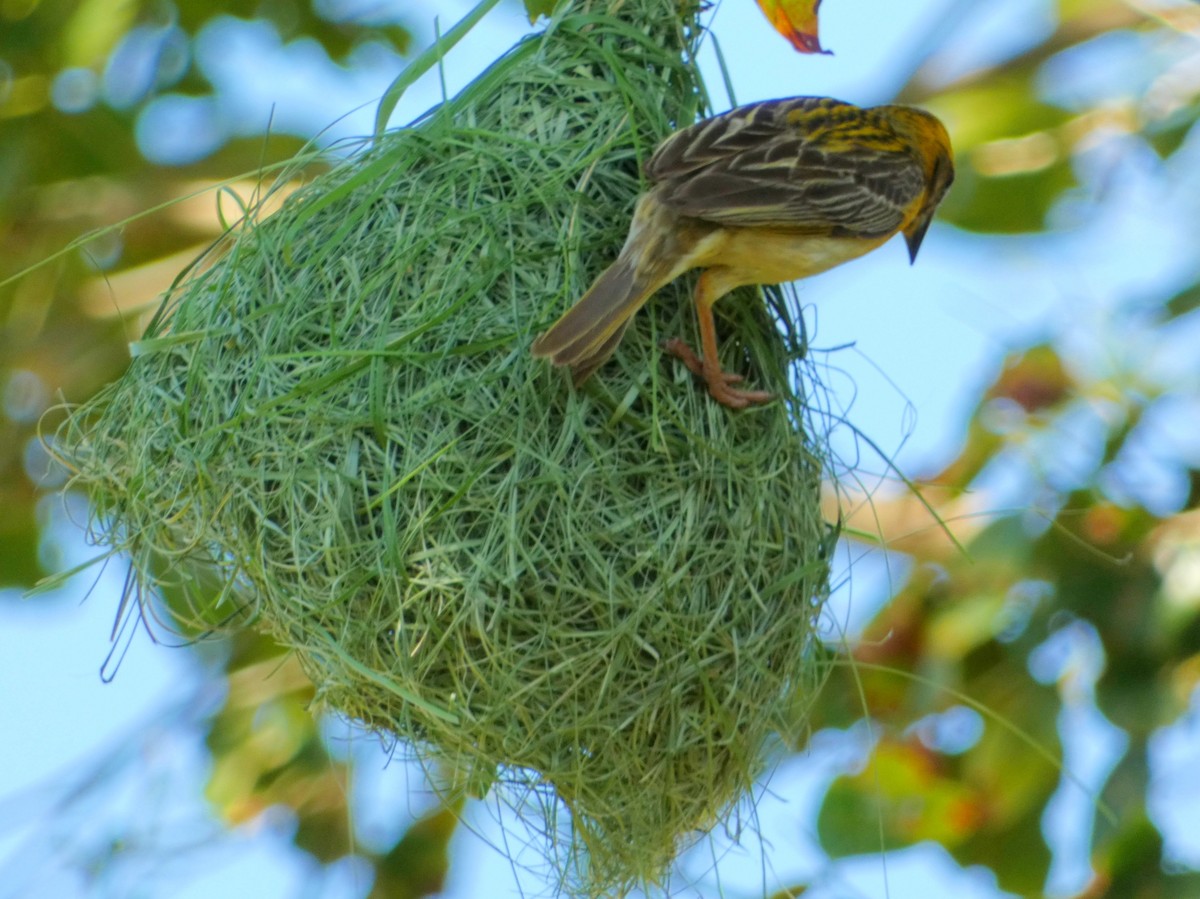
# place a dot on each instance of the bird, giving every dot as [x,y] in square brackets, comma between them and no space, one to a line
[765,193]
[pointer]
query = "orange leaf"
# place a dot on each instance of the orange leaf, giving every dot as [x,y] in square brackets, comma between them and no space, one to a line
[797,21]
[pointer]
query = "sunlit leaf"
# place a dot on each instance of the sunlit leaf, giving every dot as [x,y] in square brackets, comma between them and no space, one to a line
[1008,204]
[416,866]
[1013,161]
[1012,767]
[94,29]
[1168,136]
[1035,379]
[267,751]
[19,536]
[1184,302]
[1005,107]
[797,21]
[901,794]
[537,8]
[1128,856]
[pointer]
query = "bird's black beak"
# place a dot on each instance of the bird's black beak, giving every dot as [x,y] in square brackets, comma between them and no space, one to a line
[940,180]
[915,233]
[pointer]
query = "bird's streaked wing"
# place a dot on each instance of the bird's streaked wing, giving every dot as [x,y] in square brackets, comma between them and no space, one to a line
[806,164]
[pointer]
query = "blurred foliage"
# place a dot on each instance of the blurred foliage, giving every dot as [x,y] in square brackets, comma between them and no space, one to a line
[1089,573]
[268,751]
[65,173]
[1089,564]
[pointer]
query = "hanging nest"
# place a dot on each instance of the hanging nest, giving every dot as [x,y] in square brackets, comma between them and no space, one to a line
[335,425]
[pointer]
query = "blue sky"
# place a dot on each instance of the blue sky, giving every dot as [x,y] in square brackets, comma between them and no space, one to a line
[915,365]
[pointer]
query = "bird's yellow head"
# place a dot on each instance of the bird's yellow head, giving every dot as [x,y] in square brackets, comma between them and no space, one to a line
[928,136]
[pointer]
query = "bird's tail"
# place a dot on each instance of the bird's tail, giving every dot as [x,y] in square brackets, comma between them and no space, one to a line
[588,332]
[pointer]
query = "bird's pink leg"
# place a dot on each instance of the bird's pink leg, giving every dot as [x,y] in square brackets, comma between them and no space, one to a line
[709,366]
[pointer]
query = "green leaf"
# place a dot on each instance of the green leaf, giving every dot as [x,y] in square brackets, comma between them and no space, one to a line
[1168,136]
[1008,204]
[94,29]
[900,798]
[416,866]
[19,561]
[1003,107]
[1183,302]
[536,8]
[792,892]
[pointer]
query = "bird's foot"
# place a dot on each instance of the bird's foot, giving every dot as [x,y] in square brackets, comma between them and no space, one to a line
[718,381]
[686,355]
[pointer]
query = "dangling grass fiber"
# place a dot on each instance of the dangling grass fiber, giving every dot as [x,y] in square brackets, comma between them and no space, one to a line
[337,421]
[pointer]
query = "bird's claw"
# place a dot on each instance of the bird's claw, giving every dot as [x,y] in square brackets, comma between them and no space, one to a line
[736,399]
[718,381]
[684,354]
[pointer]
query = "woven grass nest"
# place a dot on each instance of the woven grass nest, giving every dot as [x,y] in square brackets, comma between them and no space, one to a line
[611,591]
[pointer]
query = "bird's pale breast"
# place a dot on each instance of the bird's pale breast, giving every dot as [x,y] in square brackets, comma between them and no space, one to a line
[757,256]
